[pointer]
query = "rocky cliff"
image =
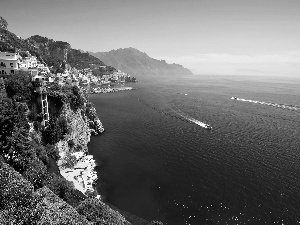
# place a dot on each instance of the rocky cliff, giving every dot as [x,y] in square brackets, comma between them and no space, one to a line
[137,63]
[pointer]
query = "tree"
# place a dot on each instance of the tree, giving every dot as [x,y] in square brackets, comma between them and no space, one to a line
[61,187]
[99,213]
[3,23]
[19,86]
[36,173]
[16,202]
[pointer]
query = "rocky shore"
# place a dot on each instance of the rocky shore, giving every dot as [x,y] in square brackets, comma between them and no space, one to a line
[109,90]
[75,164]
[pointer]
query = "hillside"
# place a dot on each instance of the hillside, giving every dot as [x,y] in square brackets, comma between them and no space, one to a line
[53,53]
[137,63]
[34,159]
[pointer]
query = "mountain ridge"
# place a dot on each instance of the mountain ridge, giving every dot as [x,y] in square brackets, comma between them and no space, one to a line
[137,63]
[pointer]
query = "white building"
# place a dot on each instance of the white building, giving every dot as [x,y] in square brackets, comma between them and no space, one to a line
[28,63]
[9,63]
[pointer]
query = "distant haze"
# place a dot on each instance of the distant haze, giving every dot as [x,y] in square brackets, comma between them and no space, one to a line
[248,37]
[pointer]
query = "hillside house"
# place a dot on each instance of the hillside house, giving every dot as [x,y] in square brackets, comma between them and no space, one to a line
[9,63]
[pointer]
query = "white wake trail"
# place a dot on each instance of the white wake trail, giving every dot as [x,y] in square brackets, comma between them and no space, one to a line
[282,106]
[201,124]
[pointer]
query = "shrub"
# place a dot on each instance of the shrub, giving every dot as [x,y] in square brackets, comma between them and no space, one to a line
[14,190]
[52,152]
[19,86]
[71,143]
[16,198]
[53,210]
[55,130]
[69,161]
[37,125]
[99,213]
[42,154]
[61,187]
[36,173]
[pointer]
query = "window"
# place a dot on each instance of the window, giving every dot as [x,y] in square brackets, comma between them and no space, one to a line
[11,65]
[12,72]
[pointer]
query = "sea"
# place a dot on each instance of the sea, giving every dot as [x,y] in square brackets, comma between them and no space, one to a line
[158,159]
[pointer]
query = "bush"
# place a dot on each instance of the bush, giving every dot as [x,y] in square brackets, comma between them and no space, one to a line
[99,213]
[36,173]
[14,190]
[16,198]
[69,161]
[55,131]
[61,187]
[71,143]
[53,210]
[19,86]
[52,152]
[37,125]
[41,153]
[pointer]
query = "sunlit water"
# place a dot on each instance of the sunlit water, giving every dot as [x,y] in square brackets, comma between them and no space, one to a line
[159,160]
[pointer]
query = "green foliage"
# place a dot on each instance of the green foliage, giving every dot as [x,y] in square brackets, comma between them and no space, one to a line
[3,23]
[16,200]
[53,211]
[52,152]
[69,161]
[12,115]
[65,95]
[14,190]
[71,143]
[42,154]
[20,150]
[15,144]
[77,98]
[55,131]
[99,213]
[36,173]
[61,187]
[19,86]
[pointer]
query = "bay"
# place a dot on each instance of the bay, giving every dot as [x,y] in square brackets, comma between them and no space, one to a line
[157,163]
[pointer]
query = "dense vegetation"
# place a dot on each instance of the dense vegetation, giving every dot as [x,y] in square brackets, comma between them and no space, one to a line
[32,191]
[25,157]
[53,53]
[50,52]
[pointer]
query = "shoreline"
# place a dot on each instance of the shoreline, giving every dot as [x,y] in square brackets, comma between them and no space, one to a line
[100,90]
[76,164]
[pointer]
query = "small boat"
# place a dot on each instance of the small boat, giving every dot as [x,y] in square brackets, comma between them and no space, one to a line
[235,98]
[208,127]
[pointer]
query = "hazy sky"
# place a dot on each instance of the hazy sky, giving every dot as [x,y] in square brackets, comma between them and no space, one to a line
[206,36]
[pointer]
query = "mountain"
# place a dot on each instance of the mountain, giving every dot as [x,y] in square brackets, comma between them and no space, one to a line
[137,63]
[56,54]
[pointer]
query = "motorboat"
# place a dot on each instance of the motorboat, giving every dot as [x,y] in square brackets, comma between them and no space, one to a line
[208,127]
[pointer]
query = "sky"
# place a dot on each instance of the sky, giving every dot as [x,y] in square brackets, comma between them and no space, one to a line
[242,37]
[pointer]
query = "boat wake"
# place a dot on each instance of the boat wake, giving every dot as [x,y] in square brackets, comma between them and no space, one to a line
[199,123]
[282,106]
[178,114]
[191,119]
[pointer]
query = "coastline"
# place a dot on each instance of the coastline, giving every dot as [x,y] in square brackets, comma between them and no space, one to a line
[76,164]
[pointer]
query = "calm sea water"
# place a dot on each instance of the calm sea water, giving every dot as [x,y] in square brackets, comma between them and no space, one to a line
[158,165]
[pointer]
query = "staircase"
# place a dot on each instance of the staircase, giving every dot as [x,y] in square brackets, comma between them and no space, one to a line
[40,89]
